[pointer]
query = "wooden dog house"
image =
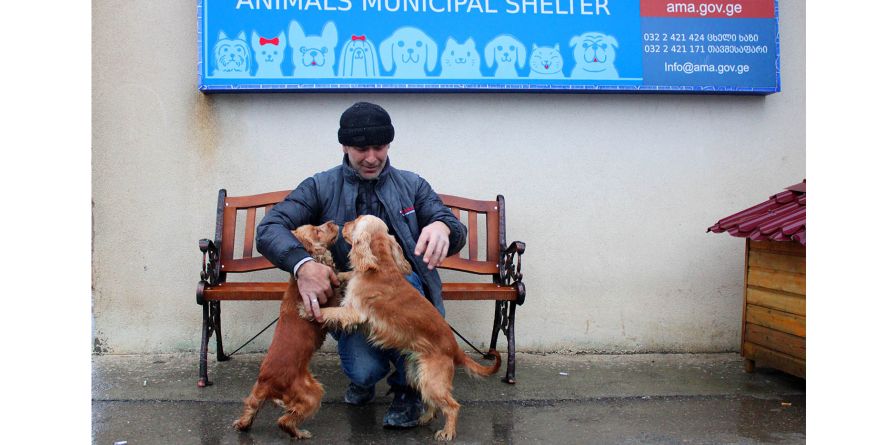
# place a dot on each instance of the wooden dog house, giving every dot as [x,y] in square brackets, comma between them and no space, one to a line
[774,310]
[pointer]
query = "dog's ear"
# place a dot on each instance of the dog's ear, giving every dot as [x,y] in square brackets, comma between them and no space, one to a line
[222,35]
[330,34]
[399,259]
[241,36]
[296,34]
[489,52]
[386,50]
[574,41]
[254,41]
[330,229]
[373,59]
[361,255]
[611,40]
[521,53]
[303,235]
[430,53]
[342,59]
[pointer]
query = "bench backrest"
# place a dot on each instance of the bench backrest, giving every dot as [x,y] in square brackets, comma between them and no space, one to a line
[238,253]
[493,231]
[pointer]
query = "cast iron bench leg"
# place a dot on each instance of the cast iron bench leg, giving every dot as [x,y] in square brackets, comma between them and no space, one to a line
[509,377]
[211,324]
[496,325]
[203,381]
[215,307]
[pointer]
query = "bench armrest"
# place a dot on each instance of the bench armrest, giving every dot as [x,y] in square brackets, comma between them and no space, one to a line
[210,272]
[509,273]
[517,246]
[209,275]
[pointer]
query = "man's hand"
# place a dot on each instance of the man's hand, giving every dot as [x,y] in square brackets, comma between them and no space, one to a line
[433,243]
[315,283]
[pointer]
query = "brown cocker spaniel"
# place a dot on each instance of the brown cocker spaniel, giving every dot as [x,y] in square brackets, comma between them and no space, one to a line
[284,376]
[397,316]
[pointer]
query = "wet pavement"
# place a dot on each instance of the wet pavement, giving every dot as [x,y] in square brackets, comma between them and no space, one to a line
[561,399]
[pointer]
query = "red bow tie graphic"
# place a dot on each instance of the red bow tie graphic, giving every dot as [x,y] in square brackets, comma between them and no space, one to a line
[363,38]
[263,41]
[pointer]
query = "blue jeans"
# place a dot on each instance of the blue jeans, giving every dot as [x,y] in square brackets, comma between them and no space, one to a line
[366,364]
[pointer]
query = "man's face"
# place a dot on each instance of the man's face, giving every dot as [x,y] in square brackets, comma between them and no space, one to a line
[368,161]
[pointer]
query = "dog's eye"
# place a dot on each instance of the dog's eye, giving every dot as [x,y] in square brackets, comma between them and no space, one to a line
[500,48]
[511,47]
[323,50]
[586,45]
[400,43]
[418,44]
[604,46]
[452,53]
[469,54]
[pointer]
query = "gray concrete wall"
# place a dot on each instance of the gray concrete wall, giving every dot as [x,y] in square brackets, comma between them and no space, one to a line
[611,193]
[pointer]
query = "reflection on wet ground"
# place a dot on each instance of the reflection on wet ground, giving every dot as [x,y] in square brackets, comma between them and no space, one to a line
[651,399]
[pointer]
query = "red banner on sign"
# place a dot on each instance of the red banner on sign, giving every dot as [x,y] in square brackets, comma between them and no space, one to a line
[708,8]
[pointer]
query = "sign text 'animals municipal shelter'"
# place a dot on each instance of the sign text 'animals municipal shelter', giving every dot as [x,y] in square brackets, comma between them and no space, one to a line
[505,45]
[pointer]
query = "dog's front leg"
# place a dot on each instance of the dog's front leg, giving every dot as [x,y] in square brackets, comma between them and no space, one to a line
[342,317]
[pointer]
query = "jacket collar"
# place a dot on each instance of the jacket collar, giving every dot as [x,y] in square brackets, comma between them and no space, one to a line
[351,175]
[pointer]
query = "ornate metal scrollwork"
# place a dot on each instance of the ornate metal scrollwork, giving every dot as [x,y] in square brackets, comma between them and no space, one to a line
[509,270]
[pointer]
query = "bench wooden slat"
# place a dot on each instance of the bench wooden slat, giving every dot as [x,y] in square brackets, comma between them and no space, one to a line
[492,236]
[250,233]
[257,200]
[478,267]
[478,291]
[472,235]
[465,203]
[230,227]
[247,291]
[274,291]
[246,264]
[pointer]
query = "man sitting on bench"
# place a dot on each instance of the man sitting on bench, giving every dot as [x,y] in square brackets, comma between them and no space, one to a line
[365,184]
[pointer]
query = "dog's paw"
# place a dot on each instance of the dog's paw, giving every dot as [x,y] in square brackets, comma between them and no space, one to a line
[443,435]
[303,313]
[302,434]
[241,425]
[293,431]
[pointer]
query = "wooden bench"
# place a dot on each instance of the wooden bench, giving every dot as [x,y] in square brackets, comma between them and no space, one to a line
[501,262]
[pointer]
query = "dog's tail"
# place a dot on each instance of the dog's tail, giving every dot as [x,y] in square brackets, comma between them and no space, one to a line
[475,369]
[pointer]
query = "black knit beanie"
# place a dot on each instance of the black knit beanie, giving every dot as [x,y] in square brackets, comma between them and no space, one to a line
[365,124]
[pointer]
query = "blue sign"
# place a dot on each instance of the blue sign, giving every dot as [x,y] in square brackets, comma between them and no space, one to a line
[489,45]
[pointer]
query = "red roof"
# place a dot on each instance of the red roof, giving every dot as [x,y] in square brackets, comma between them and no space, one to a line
[781,218]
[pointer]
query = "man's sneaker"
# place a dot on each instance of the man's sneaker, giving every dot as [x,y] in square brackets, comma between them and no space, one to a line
[405,409]
[359,395]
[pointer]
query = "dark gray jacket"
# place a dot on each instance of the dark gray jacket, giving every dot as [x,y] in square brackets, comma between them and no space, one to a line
[409,204]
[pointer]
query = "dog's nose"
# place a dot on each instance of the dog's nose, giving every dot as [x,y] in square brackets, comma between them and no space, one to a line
[409,50]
